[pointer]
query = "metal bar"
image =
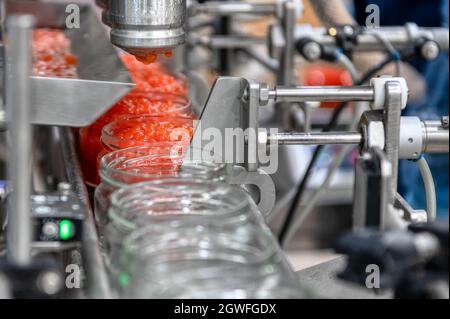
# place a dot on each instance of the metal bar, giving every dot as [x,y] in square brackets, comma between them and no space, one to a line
[227,41]
[323,94]
[435,137]
[18,101]
[97,279]
[232,8]
[399,37]
[338,138]
[393,110]
[286,73]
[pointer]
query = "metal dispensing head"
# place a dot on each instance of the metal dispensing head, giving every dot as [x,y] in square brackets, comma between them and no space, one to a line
[144,27]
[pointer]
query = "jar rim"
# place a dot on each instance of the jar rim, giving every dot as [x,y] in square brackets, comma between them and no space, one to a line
[109,139]
[112,164]
[183,103]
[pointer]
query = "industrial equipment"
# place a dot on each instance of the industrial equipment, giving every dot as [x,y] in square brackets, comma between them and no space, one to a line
[46,216]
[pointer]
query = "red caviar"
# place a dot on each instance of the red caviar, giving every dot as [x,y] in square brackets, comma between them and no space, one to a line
[154,78]
[158,131]
[152,56]
[133,104]
[51,54]
[157,93]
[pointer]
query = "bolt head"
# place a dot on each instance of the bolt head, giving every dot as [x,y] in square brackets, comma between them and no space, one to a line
[264,94]
[50,282]
[430,50]
[64,187]
[349,30]
[312,51]
[445,122]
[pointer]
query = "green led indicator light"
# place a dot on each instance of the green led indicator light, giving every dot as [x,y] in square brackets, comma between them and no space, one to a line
[65,229]
[124,279]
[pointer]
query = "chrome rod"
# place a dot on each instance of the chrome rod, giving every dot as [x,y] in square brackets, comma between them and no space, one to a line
[323,94]
[339,138]
[435,137]
[18,108]
[232,8]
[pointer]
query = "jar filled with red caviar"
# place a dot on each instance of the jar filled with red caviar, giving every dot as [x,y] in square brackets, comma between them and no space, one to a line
[159,131]
[136,103]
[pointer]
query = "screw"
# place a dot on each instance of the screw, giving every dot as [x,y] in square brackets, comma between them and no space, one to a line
[50,282]
[312,51]
[64,188]
[430,50]
[445,122]
[264,94]
[349,30]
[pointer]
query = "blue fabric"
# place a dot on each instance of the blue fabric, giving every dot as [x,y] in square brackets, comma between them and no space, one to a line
[426,13]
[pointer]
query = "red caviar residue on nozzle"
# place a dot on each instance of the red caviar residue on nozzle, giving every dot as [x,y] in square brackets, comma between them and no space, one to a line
[152,56]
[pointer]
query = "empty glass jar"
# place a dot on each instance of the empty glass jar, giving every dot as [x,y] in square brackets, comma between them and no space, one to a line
[180,200]
[194,259]
[139,164]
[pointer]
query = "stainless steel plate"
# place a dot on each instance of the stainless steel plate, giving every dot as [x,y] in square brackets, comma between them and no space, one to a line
[102,78]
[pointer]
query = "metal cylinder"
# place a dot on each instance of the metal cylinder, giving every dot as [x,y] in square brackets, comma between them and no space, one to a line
[18,107]
[145,26]
[435,137]
[323,94]
[398,37]
[234,7]
[338,138]
[228,42]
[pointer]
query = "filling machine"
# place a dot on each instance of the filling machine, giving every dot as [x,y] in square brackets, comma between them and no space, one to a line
[39,116]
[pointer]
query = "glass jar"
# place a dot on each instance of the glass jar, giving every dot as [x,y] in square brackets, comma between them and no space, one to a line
[156,131]
[134,104]
[139,164]
[185,258]
[178,200]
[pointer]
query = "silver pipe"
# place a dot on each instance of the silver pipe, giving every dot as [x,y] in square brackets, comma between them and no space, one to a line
[286,73]
[2,64]
[18,101]
[323,94]
[398,37]
[231,42]
[435,137]
[338,138]
[232,8]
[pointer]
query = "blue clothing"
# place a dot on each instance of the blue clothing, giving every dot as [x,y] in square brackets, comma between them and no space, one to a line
[426,13]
